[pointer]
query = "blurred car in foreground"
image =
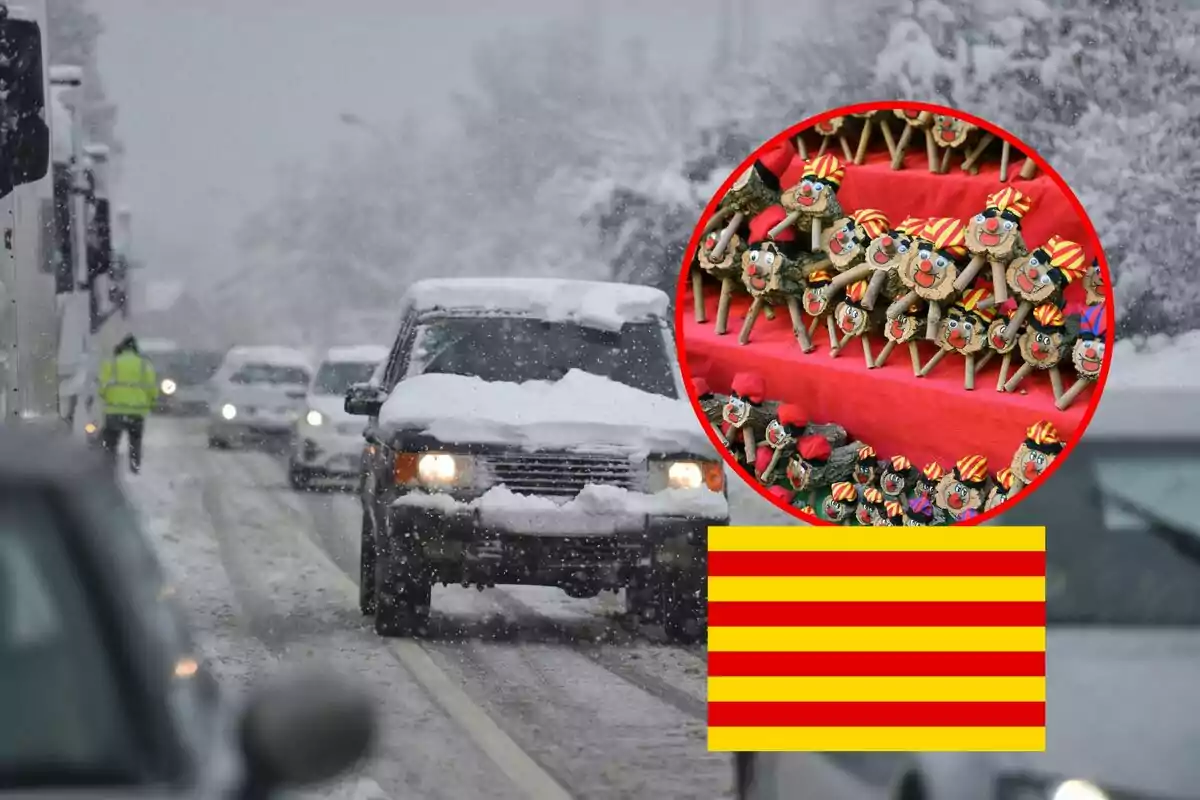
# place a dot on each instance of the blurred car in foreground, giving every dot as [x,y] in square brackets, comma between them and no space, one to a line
[537,432]
[327,442]
[101,691]
[1123,644]
[183,377]
[258,394]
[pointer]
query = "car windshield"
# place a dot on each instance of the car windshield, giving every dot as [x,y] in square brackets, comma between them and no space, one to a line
[63,722]
[335,377]
[274,374]
[187,367]
[1123,542]
[518,349]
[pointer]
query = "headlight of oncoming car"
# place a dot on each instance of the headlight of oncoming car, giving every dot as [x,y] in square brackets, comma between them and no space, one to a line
[314,418]
[433,470]
[167,386]
[686,474]
[1037,787]
[228,411]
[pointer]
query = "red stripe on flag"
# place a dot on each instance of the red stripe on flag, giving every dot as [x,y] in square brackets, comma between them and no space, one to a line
[876,664]
[876,614]
[876,564]
[852,715]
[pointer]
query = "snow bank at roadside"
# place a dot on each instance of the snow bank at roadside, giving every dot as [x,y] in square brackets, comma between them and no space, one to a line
[579,410]
[1161,361]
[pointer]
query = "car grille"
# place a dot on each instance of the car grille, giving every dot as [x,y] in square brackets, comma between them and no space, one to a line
[562,473]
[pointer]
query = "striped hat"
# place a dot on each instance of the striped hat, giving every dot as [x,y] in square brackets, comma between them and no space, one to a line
[901,464]
[1093,323]
[1048,318]
[806,509]
[969,513]
[1043,437]
[872,221]
[1010,202]
[867,453]
[910,226]
[873,496]
[1067,257]
[933,471]
[819,277]
[893,509]
[1005,478]
[826,168]
[856,291]
[970,301]
[972,470]
[843,492]
[949,235]
[921,506]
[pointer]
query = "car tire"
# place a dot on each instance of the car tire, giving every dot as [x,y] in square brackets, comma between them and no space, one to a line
[298,478]
[682,610]
[366,570]
[402,597]
[217,444]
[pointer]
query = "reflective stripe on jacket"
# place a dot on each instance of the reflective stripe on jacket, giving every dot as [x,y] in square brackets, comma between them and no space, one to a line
[128,385]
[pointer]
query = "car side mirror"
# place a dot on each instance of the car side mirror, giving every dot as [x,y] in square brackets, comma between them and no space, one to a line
[304,730]
[364,400]
[25,141]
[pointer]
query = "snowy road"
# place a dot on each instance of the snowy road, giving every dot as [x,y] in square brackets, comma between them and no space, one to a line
[520,691]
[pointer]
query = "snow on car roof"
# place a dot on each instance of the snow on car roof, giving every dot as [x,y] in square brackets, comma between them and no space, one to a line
[597,304]
[157,345]
[1146,413]
[283,356]
[359,353]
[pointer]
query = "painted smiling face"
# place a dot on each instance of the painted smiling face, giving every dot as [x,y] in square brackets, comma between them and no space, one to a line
[863,513]
[844,244]
[896,478]
[798,473]
[962,333]
[932,272]
[837,511]
[902,329]
[1042,348]
[778,436]
[763,266]
[995,233]
[1030,463]
[1088,357]
[730,262]
[995,498]
[995,336]
[851,319]
[1094,284]
[828,127]
[812,197]
[885,253]
[1030,276]
[949,131]
[956,496]
[736,411]
[815,299]
[920,119]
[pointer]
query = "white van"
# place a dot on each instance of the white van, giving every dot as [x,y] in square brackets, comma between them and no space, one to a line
[258,394]
[327,442]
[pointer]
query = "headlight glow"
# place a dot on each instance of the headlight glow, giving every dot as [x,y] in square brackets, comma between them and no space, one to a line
[314,418]
[685,475]
[228,411]
[1078,790]
[167,386]
[437,468]
[89,428]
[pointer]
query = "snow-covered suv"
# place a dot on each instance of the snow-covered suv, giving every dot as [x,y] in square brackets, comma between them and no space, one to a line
[529,431]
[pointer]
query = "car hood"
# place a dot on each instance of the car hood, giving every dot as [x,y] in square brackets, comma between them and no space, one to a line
[1123,711]
[580,410]
[332,407]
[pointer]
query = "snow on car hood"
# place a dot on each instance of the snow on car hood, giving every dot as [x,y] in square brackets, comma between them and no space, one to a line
[579,410]
[1122,711]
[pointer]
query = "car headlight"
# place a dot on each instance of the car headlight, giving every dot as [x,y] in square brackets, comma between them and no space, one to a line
[686,474]
[168,386]
[314,418]
[433,470]
[1036,787]
[228,411]
[89,428]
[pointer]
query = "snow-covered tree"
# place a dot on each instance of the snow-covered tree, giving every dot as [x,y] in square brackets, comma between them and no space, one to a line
[73,32]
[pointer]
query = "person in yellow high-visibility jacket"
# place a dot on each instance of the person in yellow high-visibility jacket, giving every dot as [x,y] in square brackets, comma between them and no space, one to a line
[128,390]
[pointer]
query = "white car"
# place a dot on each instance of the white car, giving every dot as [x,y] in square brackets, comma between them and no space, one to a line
[1123,635]
[258,394]
[327,442]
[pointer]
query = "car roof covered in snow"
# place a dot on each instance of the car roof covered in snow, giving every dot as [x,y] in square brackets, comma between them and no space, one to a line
[157,345]
[597,304]
[357,354]
[283,356]
[1146,413]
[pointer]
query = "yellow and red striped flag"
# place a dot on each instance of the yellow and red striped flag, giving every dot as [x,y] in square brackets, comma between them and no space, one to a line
[884,639]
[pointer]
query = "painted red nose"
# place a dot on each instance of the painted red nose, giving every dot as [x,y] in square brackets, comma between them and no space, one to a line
[886,241]
[753,270]
[1090,354]
[991,224]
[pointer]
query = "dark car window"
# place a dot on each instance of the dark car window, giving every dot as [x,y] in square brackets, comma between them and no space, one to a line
[518,349]
[335,377]
[271,374]
[187,367]
[62,721]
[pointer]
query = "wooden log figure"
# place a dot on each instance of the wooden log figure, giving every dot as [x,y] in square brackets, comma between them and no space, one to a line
[866,467]
[830,129]
[999,493]
[1087,354]
[941,251]
[848,242]
[773,272]
[710,404]
[727,270]
[915,121]
[815,465]
[949,134]
[1042,276]
[1094,285]
[813,201]
[919,512]
[781,435]
[897,478]
[816,303]
[999,343]
[968,514]
[892,516]
[755,190]
[1041,446]
[869,507]
[903,330]
[994,239]
[742,417]
[964,331]
[870,121]
[808,510]
[965,488]
[855,322]
[884,255]
[839,505]
[1042,348]
[835,434]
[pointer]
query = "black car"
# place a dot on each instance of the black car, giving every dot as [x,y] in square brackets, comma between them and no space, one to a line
[100,688]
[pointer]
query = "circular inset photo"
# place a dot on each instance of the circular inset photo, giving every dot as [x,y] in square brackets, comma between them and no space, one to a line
[894,314]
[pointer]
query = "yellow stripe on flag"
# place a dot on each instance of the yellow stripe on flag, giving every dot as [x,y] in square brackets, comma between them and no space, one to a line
[951,689]
[735,589]
[879,640]
[1010,740]
[784,539]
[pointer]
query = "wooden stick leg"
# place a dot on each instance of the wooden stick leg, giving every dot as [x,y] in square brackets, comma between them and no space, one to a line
[969,373]
[717,428]
[845,340]
[932,362]
[901,146]
[977,150]
[784,224]
[718,217]
[1005,363]
[751,316]
[698,295]
[901,305]
[824,146]
[914,354]
[1071,395]
[931,150]
[1028,169]
[888,347]
[718,250]
[944,167]
[1017,320]
[934,319]
[816,234]
[812,326]
[1018,376]
[769,312]
[844,279]
[866,346]
[824,263]
[831,326]
[801,146]
[864,140]
[770,470]
[798,329]
[999,283]
[812,499]
[847,150]
[878,281]
[885,127]
[967,276]
[748,444]
[723,306]
[1056,382]
[1005,155]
